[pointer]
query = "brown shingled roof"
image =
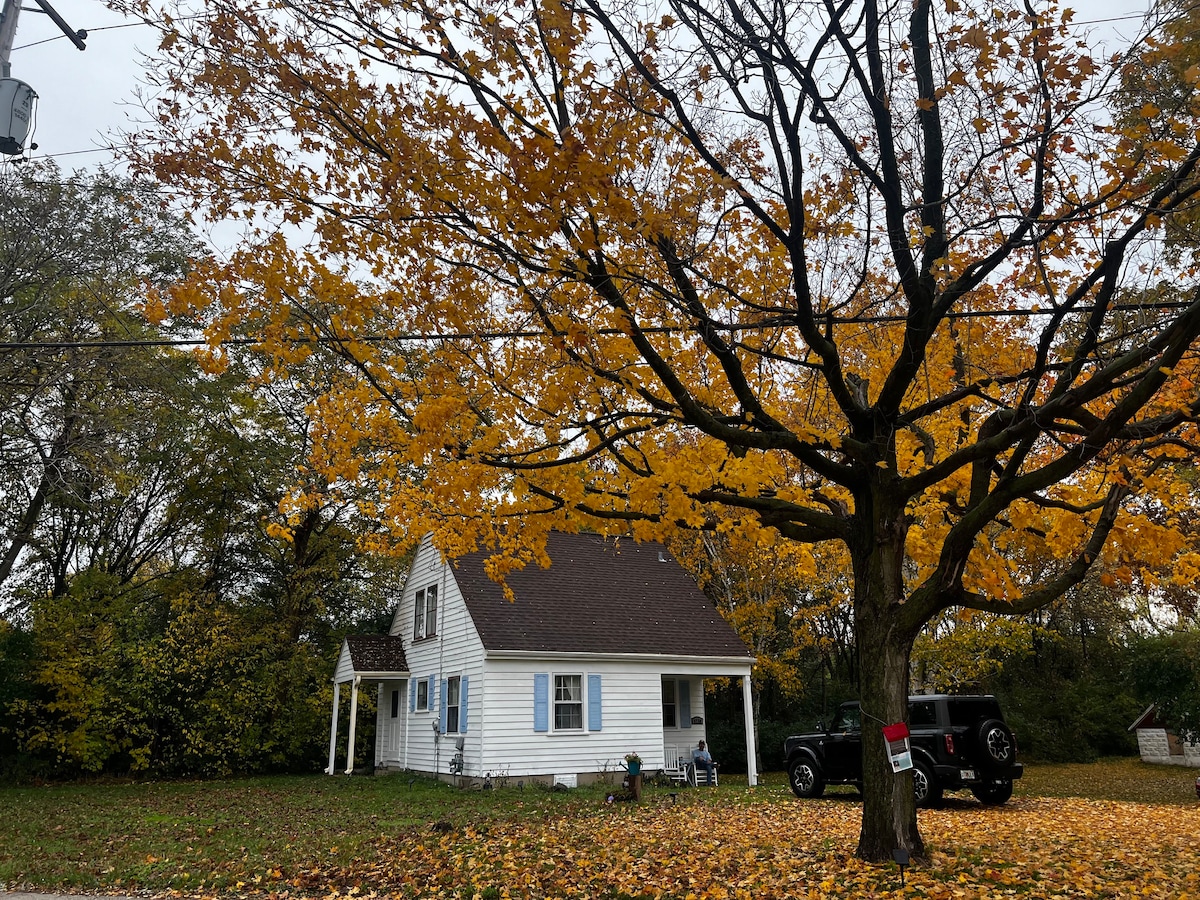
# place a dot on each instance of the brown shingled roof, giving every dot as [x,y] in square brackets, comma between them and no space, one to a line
[598,596]
[376,653]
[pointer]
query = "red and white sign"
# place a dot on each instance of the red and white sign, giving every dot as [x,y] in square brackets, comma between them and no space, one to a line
[899,751]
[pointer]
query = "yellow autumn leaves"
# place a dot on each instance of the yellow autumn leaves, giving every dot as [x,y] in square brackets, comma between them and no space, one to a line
[718,847]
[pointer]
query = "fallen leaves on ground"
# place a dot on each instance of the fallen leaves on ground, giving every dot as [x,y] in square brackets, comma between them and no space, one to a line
[1031,848]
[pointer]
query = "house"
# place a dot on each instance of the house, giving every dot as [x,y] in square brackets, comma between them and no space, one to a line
[1158,744]
[603,653]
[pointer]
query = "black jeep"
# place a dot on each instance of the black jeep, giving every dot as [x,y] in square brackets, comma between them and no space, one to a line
[957,742]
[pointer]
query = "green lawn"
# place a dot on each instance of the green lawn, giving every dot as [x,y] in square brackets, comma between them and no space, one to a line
[1127,779]
[300,835]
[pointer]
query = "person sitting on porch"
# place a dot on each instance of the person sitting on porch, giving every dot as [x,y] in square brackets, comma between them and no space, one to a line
[702,759]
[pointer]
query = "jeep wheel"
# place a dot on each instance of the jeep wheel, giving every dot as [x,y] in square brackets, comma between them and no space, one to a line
[996,743]
[925,786]
[804,775]
[994,793]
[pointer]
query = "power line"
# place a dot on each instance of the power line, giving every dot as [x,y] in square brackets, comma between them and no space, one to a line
[533,333]
[90,31]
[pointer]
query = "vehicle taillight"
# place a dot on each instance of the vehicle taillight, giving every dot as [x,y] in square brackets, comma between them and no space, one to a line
[949,744]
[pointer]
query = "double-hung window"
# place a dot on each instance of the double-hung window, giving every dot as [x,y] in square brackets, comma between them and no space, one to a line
[453,686]
[568,702]
[670,716]
[425,613]
[423,695]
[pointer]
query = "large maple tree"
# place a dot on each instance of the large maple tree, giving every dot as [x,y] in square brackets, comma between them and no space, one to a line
[855,271]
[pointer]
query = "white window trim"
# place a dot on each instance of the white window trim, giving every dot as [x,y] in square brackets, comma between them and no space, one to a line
[419,615]
[582,702]
[421,602]
[432,591]
[423,683]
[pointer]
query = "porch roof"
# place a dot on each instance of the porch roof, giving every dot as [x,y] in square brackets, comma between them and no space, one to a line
[374,654]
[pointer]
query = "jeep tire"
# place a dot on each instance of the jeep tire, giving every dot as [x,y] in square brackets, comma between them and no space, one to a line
[926,789]
[993,793]
[804,776]
[997,748]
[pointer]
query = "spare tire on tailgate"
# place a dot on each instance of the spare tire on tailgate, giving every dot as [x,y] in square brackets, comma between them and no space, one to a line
[998,749]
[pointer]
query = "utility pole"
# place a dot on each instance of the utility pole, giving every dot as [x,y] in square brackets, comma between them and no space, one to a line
[8,30]
[16,97]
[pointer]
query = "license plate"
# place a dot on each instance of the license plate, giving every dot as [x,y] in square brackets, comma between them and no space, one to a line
[967,774]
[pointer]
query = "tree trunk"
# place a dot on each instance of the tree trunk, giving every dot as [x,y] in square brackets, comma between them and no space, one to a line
[884,644]
[889,820]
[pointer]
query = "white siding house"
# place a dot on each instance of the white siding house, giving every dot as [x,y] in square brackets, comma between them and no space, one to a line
[603,653]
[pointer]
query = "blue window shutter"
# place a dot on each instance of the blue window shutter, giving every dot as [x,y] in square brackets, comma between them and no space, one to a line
[462,705]
[595,713]
[442,707]
[685,704]
[412,694]
[541,702]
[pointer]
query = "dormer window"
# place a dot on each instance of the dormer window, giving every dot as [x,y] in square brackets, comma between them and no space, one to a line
[425,613]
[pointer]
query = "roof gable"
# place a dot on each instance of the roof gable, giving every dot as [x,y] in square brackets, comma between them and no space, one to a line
[1148,719]
[598,596]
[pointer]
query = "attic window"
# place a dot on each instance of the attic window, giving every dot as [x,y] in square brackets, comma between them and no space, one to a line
[425,613]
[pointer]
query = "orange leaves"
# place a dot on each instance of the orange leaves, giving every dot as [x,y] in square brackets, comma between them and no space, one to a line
[728,847]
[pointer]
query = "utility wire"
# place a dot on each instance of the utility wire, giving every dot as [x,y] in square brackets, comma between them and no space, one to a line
[90,32]
[520,335]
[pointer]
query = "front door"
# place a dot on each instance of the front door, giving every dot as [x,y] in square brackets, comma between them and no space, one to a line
[392,720]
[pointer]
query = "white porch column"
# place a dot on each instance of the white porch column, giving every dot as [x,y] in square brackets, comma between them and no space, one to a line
[333,730]
[748,707]
[353,722]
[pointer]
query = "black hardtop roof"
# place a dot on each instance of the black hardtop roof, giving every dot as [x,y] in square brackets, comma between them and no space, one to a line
[913,698]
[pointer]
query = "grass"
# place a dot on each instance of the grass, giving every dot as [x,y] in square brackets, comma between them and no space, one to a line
[203,835]
[1125,779]
[231,836]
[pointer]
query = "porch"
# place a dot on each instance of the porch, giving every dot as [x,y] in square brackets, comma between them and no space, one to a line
[685,722]
[379,660]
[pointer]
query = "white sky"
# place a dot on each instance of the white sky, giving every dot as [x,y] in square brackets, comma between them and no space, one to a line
[81,94]
[83,97]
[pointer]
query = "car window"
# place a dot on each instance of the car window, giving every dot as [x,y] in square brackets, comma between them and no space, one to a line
[969,711]
[922,714]
[848,719]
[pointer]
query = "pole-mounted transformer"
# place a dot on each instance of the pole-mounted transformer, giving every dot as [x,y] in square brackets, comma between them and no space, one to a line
[17,101]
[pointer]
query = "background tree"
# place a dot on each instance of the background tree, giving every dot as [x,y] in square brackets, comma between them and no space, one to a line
[159,613]
[758,589]
[857,273]
[75,256]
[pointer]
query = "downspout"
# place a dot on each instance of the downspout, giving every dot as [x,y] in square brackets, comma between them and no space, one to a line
[437,713]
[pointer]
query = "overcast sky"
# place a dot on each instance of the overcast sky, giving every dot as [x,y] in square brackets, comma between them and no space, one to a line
[81,94]
[85,96]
